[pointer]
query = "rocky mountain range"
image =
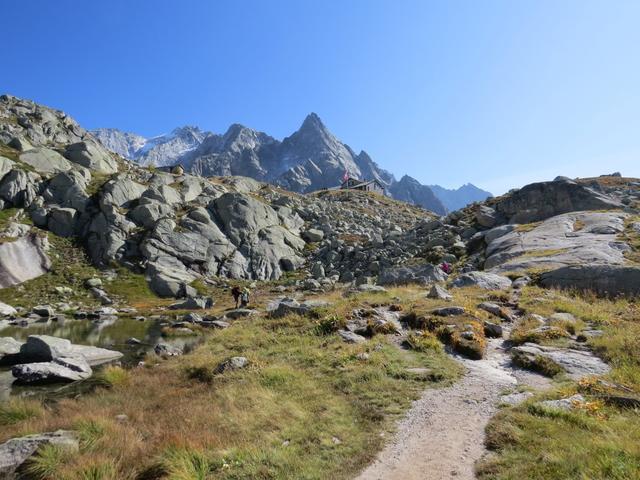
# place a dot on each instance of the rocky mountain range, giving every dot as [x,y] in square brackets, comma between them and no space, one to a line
[456,198]
[87,233]
[312,158]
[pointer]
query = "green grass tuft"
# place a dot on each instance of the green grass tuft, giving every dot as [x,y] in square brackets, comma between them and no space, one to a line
[18,410]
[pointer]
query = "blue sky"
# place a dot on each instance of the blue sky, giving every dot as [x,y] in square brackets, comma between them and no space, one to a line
[497,93]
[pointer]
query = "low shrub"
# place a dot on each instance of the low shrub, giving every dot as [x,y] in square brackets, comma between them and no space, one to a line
[424,342]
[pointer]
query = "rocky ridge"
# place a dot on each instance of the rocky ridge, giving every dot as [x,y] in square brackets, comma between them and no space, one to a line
[310,159]
[178,228]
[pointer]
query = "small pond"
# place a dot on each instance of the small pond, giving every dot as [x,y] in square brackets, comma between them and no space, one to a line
[111,333]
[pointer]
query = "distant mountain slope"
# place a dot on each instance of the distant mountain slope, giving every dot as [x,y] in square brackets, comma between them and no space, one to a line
[409,190]
[162,150]
[456,199]
[310,159]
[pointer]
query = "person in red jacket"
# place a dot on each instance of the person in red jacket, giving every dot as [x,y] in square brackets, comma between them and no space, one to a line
[445,267]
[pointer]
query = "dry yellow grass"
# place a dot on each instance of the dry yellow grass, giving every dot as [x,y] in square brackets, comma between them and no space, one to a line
[278,418]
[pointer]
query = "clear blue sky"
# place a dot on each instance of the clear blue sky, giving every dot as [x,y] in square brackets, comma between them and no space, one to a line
[497,93]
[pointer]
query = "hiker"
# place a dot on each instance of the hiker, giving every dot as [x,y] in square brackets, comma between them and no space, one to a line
[236,293]
[445,267]
[244,298]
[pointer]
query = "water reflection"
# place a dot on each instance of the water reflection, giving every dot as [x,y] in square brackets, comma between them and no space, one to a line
[111,333]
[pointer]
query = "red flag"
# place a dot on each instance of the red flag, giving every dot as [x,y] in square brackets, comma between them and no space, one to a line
[345,177]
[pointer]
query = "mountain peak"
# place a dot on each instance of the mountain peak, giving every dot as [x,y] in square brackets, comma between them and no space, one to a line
[186,129]
[313,122]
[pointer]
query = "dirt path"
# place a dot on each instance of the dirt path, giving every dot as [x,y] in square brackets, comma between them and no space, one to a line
[442,435]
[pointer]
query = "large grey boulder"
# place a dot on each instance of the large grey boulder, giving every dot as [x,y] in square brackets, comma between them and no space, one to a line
[45,348]
[44,160]
[94,355]
[61,369]
[313,235]
[448,311]
[240,313]
[121,191]
[9,350]
[168,276]
[62,221]
[15,452]
[68,190]
[401,275]
[148,213]
[492,330]
[242,184]
[7,310]
[243,216]
[570,239]
[20,143]
[190,188]
[165,239]
[609,280]
[19,188]
[6,166]
[287,306]
[107,235]
[351,337]
[163,194]
[269,248]
[486,216]
[484,280]
[576,363]
[91,156]
[439,293]
[539,201]
[23,259]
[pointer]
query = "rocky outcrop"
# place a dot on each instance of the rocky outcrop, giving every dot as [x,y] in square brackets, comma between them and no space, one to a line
[177,228]
[286,306]
[583,238]
[23,259]
[608,280]
[90,155]
[484,280]
[45,348]
[577,364]
[312,158]
[15,452]
[539,201]
[61,369]
[422,274]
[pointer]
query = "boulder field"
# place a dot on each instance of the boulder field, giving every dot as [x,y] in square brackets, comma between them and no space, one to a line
[177,228]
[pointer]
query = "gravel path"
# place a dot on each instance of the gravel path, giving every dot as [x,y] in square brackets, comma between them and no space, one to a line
[442,435]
